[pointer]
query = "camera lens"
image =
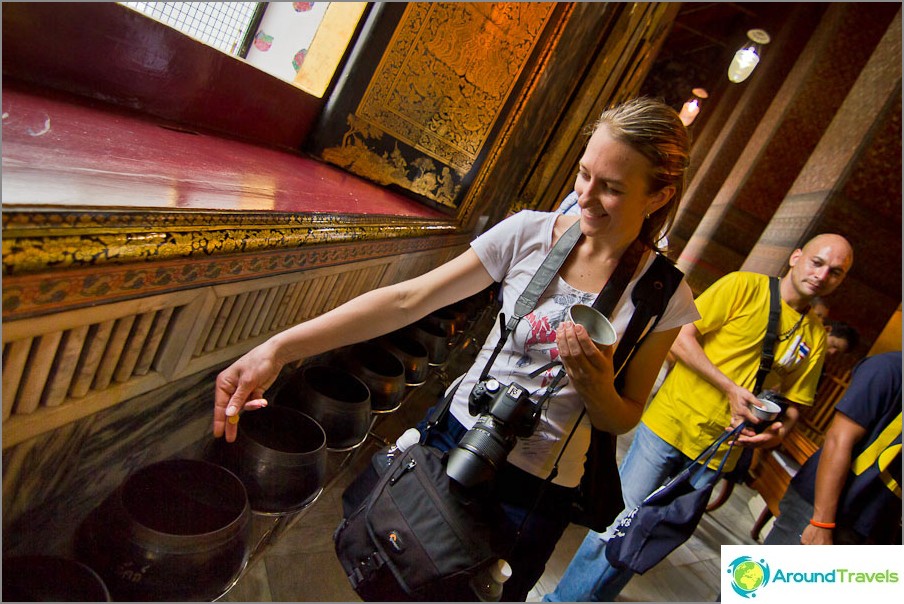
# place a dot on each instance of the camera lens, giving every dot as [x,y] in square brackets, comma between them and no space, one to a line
[479,453]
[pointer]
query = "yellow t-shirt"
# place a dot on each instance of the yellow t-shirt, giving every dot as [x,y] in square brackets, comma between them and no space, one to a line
[688,412]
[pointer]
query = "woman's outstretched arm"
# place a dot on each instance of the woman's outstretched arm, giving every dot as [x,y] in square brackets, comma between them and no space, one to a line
[242,385]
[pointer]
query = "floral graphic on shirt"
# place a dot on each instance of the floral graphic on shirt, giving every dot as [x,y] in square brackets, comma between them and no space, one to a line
[299,59]
[541,333]
[537,350]
[542,336]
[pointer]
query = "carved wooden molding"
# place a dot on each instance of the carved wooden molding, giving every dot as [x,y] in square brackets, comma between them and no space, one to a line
[64,366]
[55,261]
[36,240]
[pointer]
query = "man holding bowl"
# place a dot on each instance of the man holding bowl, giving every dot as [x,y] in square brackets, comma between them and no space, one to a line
[710,389]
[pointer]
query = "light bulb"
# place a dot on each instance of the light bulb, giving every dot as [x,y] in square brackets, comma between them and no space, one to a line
[689,112]
[691,107]
[746,59]
[742,64]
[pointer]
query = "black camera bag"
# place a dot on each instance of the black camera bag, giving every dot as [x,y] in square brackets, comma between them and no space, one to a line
[417,536]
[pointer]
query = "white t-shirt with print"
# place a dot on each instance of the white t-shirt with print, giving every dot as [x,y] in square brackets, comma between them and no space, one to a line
[512,251]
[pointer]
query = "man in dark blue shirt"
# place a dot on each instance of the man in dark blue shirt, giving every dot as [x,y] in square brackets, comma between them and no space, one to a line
[849,491]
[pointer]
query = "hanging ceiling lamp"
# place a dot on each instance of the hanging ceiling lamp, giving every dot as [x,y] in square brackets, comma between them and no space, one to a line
[747,56]
[691,107]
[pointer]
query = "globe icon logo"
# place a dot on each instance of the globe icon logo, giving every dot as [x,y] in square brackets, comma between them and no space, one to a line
[748,575]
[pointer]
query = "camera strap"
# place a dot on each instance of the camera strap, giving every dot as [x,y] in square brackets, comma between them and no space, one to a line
[538,284]
[662,277]
[605,302]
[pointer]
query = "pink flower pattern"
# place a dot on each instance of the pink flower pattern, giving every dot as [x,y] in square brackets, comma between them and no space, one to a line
[262,41]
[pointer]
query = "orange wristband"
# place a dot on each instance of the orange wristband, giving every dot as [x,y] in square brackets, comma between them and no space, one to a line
[823,525]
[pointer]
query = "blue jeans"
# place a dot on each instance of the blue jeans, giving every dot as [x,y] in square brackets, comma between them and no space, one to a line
[647,464]
[794,518]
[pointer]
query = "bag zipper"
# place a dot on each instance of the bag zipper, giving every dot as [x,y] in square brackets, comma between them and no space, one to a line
[408,467]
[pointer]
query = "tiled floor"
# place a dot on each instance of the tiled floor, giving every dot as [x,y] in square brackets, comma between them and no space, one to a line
[300,563]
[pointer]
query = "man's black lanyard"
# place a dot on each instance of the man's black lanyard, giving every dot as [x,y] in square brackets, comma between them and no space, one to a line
[775,313]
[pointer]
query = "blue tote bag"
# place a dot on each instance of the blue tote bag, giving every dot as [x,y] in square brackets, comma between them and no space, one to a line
[668,516]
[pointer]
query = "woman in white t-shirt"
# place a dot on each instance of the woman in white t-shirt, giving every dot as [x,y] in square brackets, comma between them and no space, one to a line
[629,182]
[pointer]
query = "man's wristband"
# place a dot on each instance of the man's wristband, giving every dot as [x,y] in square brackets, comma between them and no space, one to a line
[822,525]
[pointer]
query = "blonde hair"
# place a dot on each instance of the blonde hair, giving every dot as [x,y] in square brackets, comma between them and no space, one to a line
[654,130]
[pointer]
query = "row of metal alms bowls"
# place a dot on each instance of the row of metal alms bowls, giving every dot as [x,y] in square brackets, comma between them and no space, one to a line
[180,529]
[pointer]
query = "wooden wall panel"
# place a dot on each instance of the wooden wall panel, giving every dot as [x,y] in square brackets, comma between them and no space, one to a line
[62,367]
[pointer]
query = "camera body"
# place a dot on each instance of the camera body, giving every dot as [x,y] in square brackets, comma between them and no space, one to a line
[509,404]
[505,412]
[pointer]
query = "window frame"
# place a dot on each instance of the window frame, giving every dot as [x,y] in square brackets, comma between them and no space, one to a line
[112,53]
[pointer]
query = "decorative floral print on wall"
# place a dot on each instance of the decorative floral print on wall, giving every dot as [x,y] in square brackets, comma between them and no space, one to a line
[299,58]
[284,37]
[262,41]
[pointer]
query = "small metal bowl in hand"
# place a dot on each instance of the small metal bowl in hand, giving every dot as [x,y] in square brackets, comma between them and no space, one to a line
[597,325]
[766,410]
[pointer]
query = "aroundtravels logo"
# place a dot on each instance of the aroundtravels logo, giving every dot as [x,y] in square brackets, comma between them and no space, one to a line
[870,573]
[748,575]
[874,570]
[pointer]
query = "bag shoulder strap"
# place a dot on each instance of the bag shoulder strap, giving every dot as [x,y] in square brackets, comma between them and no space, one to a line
[702,460]
[775,313]
[693,470]
[607,298]
[612,292]
[651,297]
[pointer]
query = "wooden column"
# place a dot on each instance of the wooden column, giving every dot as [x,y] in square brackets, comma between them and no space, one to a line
[783,140]
[851,185]
[736,114]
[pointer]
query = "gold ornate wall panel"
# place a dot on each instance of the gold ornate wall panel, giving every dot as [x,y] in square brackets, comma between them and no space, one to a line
[442,86]
[593,55]
[56,261]
[625,38]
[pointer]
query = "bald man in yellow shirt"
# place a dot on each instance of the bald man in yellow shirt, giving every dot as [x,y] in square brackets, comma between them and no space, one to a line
[710,386]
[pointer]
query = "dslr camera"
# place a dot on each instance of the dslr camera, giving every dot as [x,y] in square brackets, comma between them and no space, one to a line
[504,412]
